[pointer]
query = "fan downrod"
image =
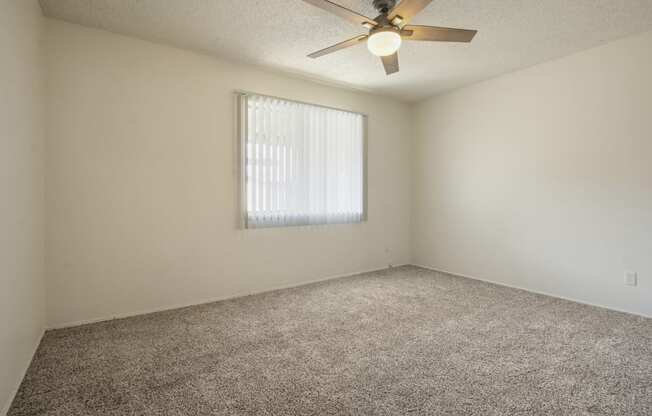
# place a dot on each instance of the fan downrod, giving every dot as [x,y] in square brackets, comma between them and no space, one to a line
[384,6]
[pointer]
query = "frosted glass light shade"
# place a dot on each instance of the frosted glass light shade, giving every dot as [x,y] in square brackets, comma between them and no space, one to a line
[384,43]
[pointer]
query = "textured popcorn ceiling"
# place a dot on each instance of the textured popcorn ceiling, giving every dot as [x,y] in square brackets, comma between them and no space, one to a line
[280,33]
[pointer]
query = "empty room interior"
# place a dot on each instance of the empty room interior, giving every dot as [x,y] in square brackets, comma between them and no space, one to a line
[313,207]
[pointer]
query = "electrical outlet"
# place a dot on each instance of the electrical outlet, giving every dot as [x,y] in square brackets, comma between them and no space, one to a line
[631,278]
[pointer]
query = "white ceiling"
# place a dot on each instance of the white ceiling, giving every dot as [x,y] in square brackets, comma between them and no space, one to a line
[280,33]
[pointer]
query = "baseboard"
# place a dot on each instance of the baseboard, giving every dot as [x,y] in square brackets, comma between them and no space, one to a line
[7,405]
[214,299]
[309,282]
[552,295]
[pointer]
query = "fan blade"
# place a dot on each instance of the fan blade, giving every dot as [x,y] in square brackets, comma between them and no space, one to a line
[343,12]
[407,9]
[390,62]
[437,34]
[347,43]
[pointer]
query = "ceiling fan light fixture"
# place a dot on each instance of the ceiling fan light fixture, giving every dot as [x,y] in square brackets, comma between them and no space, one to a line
[389,28]
[384,42]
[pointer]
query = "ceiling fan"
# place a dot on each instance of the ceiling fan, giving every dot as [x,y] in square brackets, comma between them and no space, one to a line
[388,29]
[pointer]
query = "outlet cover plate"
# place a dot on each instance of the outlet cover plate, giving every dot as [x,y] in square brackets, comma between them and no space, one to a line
[631,278]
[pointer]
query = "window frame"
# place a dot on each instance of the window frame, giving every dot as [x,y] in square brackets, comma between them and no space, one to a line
[241,119]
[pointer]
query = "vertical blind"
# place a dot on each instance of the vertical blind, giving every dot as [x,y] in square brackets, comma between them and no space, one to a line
[303,164]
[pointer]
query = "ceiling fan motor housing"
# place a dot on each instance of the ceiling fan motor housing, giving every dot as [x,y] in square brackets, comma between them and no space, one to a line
[384,6]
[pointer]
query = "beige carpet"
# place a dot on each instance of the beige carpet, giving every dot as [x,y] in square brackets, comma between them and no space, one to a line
[405,341]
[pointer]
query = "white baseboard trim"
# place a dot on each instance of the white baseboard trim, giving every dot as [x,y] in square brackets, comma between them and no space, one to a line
[304,283]
[214,299]
[552,295]
[10,400]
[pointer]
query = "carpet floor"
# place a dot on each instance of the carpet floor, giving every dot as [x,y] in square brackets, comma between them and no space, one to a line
[395,342]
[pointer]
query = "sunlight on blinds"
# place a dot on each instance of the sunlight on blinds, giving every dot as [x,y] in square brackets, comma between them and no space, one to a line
[304,164]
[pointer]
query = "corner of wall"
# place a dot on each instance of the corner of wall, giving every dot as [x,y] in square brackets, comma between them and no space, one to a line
[22,38]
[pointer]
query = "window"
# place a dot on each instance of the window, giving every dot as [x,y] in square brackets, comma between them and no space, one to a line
[302,164]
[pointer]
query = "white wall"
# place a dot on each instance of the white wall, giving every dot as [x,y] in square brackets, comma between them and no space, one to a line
[141,201]
[21,192]
[543,178]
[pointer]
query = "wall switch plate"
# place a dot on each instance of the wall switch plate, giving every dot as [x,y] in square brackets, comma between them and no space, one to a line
[631,278]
